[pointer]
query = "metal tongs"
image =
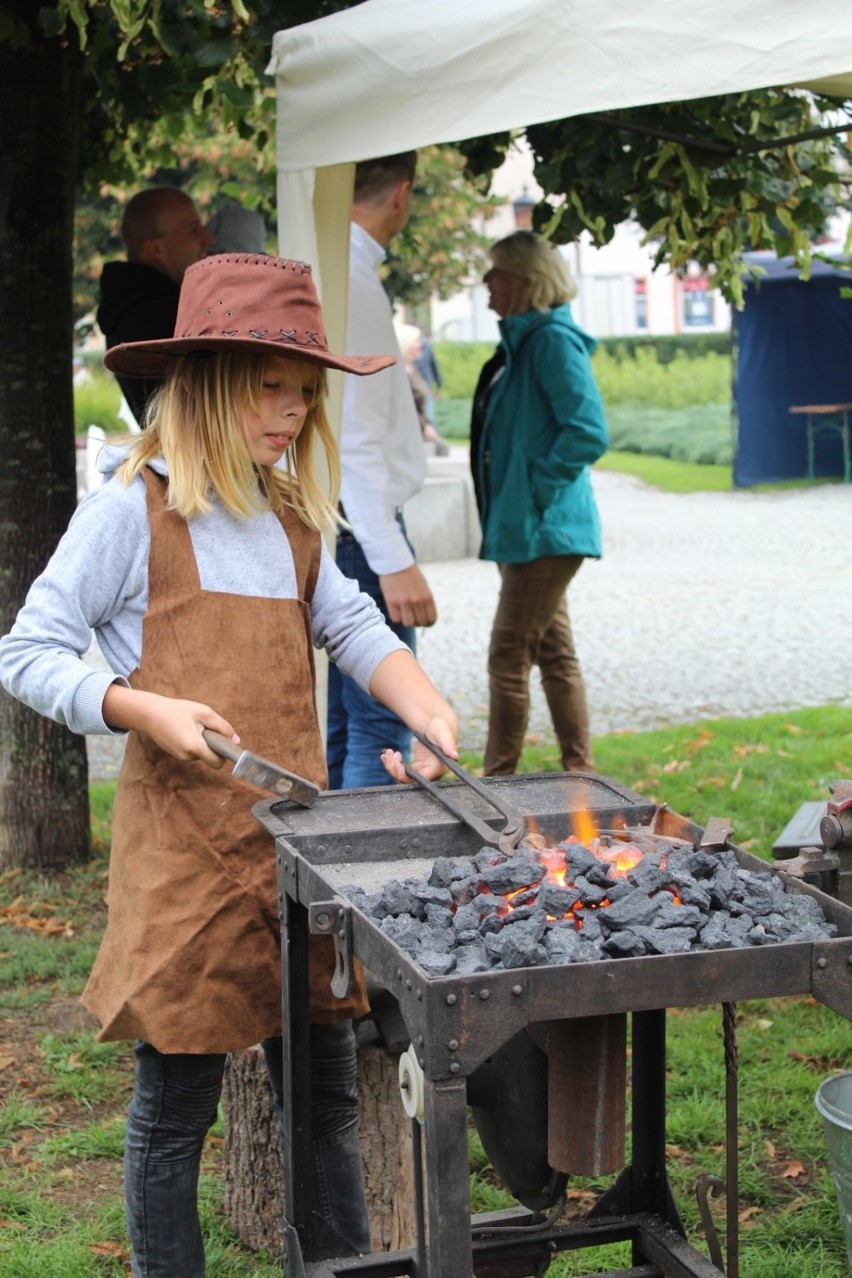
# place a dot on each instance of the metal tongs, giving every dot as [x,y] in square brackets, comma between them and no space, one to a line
[505,840]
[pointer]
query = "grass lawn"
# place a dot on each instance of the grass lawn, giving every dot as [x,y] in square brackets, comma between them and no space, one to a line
[63,1095]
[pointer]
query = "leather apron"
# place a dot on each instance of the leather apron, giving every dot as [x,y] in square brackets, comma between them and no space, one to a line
[190,960]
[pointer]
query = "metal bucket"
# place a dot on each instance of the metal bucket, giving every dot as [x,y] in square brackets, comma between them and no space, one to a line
[834,1102]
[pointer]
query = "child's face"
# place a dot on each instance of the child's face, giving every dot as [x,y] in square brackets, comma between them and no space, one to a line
[288,390]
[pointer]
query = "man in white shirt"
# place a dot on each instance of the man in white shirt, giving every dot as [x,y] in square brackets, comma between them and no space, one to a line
[384,464]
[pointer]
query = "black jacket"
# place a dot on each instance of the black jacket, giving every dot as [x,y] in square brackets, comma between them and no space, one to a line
[137,304]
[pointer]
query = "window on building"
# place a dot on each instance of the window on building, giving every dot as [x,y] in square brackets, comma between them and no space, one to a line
[641,295]
[697,302]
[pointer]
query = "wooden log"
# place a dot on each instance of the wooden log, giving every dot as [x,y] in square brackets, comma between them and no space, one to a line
[254,1179]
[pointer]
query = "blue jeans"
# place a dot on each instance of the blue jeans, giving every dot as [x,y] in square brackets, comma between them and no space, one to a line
[360,728]
[175,1102]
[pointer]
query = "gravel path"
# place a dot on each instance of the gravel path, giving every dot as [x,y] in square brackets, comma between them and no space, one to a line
[703,605]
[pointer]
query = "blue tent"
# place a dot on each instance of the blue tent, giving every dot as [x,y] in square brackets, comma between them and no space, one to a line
[793,344]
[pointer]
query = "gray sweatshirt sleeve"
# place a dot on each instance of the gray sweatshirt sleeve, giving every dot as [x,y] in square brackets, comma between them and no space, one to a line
[97,573]
[348,625]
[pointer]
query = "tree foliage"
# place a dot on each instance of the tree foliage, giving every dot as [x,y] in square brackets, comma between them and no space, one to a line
[706,180]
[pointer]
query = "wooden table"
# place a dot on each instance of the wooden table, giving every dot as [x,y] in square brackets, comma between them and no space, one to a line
[832,418]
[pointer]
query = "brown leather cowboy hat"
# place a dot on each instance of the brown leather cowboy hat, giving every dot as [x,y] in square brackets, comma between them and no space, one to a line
[242,302]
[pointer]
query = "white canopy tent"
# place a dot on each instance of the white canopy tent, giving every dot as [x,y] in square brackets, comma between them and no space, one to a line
[389,75]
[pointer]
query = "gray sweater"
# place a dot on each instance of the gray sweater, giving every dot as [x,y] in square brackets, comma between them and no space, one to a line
[97,580]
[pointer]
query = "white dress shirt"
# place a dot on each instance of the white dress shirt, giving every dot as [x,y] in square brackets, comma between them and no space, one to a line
[381,448]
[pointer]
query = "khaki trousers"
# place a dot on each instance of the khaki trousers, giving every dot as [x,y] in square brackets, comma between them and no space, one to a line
[531,627]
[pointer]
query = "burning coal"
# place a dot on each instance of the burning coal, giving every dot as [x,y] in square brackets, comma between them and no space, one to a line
[612,896]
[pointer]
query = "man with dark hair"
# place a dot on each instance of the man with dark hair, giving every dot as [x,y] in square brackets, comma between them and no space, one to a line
[383,465]
[163,234]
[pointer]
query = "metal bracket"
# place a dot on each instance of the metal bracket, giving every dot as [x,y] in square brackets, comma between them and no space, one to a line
[716,834]
[334,919]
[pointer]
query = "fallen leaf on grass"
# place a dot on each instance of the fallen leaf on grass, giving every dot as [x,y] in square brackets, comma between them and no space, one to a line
[108,1249]
[793,1169]
[793,729]
[737,779]
[698,743]
[6,1061]
[770,1148]
[759,747]
[746,1215]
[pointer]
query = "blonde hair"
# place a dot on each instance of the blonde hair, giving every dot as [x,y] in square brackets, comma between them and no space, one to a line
[540,264]
[196,425]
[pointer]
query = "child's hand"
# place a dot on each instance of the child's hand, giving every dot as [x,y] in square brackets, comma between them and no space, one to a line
[178,726]
[425,762]
[175,725]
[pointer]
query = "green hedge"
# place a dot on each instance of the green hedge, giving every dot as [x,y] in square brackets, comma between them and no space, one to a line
[460,362]
[96,403]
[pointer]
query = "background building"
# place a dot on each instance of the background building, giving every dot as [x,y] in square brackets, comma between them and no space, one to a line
[619,293]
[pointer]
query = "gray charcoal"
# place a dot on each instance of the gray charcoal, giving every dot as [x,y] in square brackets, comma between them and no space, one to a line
[447,870]
[491,923]
[437,916]
[671,915]
[557,900]
[521,949]
[472,959]
[667,940]
[805,910]
[397,899]
[598,873]
[722,886]
[624,944]
[758,935]
[638,907]
[519,915]
[493,945]
[433,896]
[404,932]
[578,858]
[487,857]
[469,937]
[723,931]
[618,888]
[563,944]
[436,964]
[467,918]
[590,893]
[757,891]
[464,891]
[691,892]
[647,876]
[516,872]
[701,865]
[533,924]
[591,929]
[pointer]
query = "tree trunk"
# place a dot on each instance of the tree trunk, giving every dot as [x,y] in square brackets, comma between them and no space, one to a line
[254,1180]
[44,814]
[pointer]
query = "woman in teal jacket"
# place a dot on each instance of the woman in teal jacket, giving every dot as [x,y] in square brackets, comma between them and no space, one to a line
[538,424]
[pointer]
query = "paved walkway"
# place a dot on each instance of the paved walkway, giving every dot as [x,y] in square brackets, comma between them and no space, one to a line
[703,605]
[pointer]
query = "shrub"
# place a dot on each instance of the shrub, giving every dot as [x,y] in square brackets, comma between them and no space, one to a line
[679,384]
[96,403]
[699,433]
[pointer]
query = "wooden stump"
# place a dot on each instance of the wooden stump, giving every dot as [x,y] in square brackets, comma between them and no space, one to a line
[254,1179]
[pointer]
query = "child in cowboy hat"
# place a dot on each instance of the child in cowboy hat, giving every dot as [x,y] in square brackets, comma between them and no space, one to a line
[201,568]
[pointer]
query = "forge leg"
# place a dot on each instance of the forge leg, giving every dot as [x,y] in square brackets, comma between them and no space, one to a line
[650,1187]
[447,1180]
[296,1049]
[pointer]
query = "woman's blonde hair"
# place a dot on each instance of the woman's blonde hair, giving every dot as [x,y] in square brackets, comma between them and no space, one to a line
[196,425]
[540,264]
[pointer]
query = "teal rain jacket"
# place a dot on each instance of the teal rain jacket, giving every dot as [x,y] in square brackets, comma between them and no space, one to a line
[543,427]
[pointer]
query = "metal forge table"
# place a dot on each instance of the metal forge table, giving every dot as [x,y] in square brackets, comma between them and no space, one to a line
[458,1022]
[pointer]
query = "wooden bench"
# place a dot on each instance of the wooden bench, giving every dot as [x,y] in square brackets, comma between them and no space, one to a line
[822,418]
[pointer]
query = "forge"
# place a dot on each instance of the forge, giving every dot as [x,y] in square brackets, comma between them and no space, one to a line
[557,1020]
